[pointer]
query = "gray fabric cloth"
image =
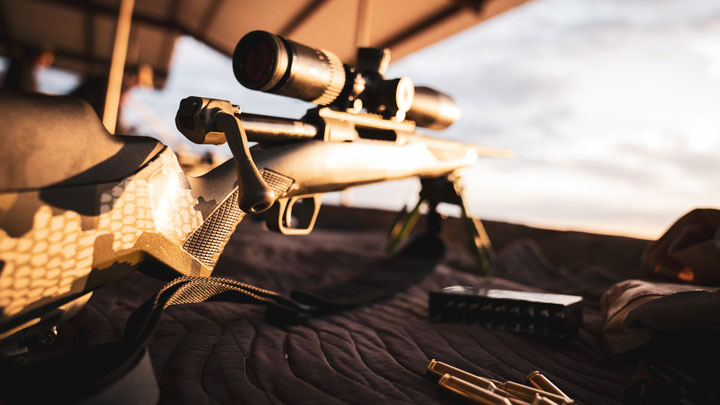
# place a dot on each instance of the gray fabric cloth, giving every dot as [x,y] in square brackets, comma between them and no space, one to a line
[688,251]
[634,308]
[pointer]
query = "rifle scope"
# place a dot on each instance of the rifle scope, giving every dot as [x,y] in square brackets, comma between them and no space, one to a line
[273,64]
[270,63]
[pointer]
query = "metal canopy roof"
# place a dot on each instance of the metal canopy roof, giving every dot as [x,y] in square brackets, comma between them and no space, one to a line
[80,32]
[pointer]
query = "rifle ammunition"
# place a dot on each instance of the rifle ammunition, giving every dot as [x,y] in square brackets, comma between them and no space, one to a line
[553,315]
[438,369]
[471,392]
[528,393]
[513,399]
[539,381]
[540,400]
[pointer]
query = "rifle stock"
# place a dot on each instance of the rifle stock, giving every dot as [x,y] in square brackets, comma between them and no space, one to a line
[160,214]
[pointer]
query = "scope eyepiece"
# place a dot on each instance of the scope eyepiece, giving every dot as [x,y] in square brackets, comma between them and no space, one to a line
[270,63]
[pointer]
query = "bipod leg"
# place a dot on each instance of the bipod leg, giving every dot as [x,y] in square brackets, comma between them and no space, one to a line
[449,190]
[434,220]
[478,241]
[403,225]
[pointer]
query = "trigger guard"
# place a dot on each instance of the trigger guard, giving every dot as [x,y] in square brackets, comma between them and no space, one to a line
[279,217]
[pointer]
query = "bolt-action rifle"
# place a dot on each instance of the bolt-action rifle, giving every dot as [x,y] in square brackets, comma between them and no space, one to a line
[85,208]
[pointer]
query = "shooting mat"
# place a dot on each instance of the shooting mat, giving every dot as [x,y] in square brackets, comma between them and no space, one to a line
[219,352]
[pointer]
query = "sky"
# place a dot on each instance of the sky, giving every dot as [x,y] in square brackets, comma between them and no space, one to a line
[610,107]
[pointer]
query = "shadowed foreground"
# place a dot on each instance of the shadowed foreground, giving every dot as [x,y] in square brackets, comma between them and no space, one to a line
[219,352]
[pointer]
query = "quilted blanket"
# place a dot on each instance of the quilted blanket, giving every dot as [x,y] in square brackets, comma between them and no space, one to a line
[220,352]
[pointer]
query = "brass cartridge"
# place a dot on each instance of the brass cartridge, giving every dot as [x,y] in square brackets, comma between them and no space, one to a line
[471,391]
[541,382]
[513,399]
[438,369]
[540,400]
[528,393]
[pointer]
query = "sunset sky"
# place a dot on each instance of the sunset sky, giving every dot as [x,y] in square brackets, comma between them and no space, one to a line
[612,108]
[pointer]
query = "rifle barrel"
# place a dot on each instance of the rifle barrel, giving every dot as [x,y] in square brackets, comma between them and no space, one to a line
[481,151]
[263,128]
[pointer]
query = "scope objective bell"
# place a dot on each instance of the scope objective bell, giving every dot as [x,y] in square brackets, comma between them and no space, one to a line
[273,64]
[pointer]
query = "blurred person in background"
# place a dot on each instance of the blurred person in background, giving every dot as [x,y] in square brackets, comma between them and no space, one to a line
[23,67]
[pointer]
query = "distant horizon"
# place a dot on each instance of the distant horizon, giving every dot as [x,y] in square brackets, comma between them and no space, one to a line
[610,106]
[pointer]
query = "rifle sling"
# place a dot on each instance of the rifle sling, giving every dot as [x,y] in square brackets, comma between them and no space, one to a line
[122,371]
[417,260]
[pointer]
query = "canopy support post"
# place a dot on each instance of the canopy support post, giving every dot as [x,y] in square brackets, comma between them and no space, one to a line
[364,23]
[117,65]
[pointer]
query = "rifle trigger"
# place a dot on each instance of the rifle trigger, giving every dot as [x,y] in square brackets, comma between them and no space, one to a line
[280,218]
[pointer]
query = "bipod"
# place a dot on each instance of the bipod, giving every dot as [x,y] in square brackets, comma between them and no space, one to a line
[438,190]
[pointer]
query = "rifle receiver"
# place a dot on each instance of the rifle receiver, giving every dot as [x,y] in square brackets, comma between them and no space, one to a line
[206,120]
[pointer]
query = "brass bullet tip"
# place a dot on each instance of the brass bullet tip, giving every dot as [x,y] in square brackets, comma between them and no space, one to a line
[540,400]
[539,381]
[472,392]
